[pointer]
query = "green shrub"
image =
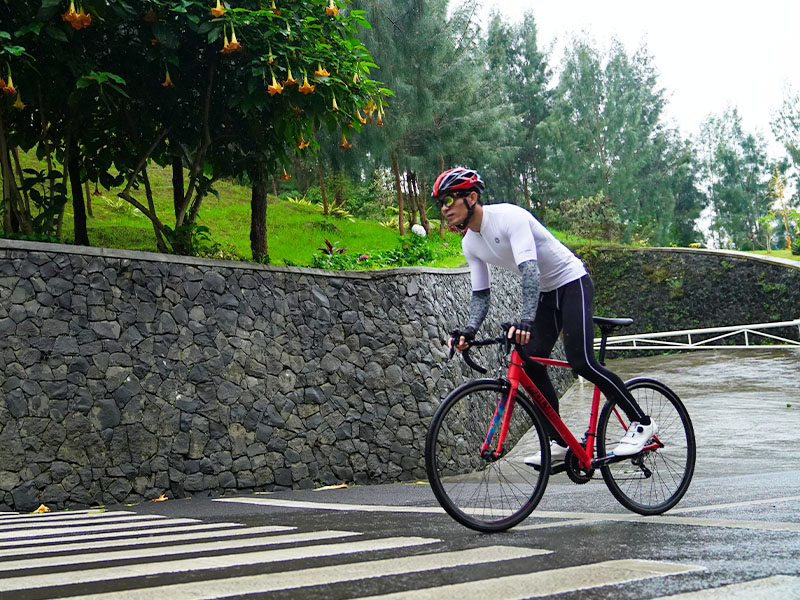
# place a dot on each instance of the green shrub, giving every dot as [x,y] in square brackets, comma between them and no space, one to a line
[796,246]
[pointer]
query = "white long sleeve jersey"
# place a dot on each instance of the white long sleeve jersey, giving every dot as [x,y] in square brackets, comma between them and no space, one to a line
[509,236]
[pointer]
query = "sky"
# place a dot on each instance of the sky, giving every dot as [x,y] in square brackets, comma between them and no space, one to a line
[710,54]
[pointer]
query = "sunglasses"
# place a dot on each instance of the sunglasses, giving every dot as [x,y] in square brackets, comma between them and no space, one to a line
[448,200]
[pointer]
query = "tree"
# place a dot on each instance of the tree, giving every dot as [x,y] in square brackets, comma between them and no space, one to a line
[521,73]
[735,174]
[218,91]
[604,136]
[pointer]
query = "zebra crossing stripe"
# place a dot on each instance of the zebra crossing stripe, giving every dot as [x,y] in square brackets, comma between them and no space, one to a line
[317,576]
[141,537]
[12,515]
[333,506]
[38,533]
[158,550]
[546,583]
[785,587]
[83,520]
[9,582]
[14,545]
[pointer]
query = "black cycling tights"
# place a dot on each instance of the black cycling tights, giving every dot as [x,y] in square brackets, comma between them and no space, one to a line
[569,309]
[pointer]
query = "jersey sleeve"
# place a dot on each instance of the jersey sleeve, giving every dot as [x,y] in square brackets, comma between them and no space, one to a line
[523,244]
[478,269]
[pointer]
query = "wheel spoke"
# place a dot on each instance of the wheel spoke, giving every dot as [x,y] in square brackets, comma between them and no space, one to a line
[485,494]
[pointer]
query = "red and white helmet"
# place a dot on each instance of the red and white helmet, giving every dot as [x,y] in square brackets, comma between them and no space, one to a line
[459,180]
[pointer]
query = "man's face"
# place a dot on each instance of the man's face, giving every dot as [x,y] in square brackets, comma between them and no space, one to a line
[456,211]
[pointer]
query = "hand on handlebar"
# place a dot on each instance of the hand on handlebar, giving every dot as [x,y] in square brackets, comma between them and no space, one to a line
[520,332]
[460,339]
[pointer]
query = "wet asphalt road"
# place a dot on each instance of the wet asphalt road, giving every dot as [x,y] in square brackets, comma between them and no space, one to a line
[739,522]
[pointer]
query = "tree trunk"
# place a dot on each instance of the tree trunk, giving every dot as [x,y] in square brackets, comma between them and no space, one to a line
[526,191]
[258,220]
[177,183]
[88,193]
[423,203]
[441,216]
[78,206]
[14,219]
[322,190]
[412,198]
[400,215]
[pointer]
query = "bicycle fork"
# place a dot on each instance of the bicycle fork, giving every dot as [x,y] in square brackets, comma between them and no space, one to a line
[501,419]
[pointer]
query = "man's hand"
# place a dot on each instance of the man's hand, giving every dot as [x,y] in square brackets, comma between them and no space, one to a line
[521,332]
[460,339]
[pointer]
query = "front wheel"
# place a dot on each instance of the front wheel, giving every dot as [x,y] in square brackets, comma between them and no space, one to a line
[477,489]
[655,480]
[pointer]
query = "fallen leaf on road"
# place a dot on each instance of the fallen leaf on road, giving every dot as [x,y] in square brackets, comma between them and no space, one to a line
[161,498]
[42,509]
[341,486]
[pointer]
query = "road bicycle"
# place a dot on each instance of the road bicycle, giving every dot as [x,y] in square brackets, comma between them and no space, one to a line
[481,433]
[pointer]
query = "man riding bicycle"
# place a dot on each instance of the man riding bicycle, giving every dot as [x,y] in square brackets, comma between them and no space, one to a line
[557,295]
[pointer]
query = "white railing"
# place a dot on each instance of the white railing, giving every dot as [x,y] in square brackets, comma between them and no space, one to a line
[698,339]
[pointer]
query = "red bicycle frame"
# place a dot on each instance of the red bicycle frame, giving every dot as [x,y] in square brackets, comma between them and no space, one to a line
[505,406]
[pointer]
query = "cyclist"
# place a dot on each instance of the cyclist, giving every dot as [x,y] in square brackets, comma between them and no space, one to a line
[557,295]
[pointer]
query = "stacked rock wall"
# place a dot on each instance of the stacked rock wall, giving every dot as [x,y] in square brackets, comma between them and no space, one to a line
[126,375]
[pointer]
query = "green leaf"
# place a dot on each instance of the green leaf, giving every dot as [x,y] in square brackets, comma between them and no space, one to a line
[57,34]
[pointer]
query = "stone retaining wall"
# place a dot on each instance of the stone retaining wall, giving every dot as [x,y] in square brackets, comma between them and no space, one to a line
[127,375]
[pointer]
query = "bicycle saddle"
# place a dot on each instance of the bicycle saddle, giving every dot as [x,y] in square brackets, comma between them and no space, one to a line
[609,323]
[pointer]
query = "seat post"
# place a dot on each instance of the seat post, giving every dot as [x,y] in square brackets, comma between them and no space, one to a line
[601,358]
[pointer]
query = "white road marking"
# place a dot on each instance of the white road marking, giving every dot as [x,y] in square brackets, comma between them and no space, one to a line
[28,582]
[572,518]
[334,506]
[784,587]
[546,583]
[83,520]
[157,550]
[734,504]
[140,538]
[36,533]
[13,515]
[135,533]
[262,584]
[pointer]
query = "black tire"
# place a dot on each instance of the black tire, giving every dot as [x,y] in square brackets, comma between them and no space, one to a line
[670,468]
[483,494]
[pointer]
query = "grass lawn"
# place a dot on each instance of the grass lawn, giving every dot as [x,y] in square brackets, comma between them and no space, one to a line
[779,254]
[294,232]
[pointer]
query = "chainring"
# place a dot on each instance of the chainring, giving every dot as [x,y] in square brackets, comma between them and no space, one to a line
[575,472]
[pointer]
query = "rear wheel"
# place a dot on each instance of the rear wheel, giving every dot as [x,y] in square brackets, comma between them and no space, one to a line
[655,480]
[479,491]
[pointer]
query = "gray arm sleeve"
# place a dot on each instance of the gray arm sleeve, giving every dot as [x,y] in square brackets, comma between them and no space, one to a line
[530,288]
[478,308]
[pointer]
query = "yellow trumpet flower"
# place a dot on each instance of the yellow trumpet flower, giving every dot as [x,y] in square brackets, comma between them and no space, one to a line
[345,145]
[167,83]
[19,103]
[285,176]
[8,88]
[335,106]
[275,10]
[290,80]
[332,10]
[71,13]
[320,72]
[302,144]
[218,10]
[231,45]
[275,88]
[306,88]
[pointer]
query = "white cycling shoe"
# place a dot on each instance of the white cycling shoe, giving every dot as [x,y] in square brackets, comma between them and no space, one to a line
[557,454]
[636,438]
